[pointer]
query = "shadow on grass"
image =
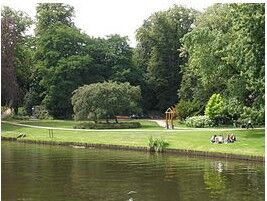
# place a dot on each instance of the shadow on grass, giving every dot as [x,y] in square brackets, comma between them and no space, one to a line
[8,127]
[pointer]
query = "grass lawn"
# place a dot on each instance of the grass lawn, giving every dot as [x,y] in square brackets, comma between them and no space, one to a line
[249,142]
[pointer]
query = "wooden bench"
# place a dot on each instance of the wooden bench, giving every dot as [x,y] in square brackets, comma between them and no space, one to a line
[121,117]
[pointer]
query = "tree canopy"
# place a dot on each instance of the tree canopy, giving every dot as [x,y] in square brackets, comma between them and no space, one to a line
[226,55]
[14,63]
[106,100]
[158,53]
[182,57]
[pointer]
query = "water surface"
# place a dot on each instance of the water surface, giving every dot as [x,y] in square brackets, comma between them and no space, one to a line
[44,173]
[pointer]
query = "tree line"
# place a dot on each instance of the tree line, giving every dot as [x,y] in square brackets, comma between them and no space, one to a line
[182,58]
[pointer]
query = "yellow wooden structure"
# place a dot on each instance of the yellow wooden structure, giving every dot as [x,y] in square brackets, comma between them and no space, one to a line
[170,114]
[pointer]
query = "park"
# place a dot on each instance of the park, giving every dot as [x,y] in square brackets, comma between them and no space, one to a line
[94,118]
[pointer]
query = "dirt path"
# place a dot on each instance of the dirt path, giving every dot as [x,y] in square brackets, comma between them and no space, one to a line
[160,122]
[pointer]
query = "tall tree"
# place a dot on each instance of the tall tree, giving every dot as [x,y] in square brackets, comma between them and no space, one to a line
[67,59]
[51,14]
[226,54]
[158,53]
[14,24]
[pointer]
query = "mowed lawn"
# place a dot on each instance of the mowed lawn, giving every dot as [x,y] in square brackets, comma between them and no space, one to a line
[249,142]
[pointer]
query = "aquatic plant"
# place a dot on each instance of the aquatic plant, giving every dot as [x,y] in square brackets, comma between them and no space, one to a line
[157,145]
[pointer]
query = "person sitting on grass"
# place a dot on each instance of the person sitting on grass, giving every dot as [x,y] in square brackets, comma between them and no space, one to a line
[212,139]
[232,138]
[219,139]
[227,139]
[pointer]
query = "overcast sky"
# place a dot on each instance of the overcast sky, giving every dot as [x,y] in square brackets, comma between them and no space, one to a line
[100,18]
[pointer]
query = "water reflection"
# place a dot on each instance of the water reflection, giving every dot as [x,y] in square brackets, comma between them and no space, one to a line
[36,172]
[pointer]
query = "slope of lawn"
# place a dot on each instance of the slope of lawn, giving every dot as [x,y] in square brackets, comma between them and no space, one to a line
[249,142]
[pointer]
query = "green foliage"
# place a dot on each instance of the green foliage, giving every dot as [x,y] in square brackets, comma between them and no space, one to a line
[40,112]
[31,99]
[187,108]
[14,25]
[121,125]
[106,100]
[157,54]
[233,108]
[214,106]
[256,115]
[157,145]
[226,56]
[67,59]
[199,122]
[51,14]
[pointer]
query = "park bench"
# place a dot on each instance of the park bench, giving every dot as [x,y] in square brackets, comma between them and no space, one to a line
[122,117]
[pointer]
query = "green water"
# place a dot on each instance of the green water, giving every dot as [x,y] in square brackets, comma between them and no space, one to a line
[51,173]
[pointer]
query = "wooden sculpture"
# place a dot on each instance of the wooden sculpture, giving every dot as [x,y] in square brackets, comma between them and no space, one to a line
[170,114]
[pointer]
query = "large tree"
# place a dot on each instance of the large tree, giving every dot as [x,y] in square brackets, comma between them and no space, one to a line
[226,55]
[62,60]
[158,54]
[66,58]
[14,24]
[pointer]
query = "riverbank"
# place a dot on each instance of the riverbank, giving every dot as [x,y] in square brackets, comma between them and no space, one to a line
[143,149]
[249,145]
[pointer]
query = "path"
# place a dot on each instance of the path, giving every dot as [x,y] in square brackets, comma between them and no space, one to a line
[129,130]
[160,122]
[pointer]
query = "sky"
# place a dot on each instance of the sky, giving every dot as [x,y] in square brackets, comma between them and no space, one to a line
[100,18]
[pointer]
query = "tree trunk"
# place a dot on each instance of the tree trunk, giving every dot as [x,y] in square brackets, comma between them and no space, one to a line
[116,119]
[16,110]
[95,118]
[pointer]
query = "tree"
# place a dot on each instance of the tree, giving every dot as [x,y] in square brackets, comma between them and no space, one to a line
[105,100]
[226,51]
[51,14]
[62,62]
[158,56]
[14,25]
[67,59]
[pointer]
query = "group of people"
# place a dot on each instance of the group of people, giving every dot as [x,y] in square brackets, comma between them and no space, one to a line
[218,139]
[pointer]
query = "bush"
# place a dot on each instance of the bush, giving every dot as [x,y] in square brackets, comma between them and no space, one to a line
[20,117]
[40,112]
[157,145]
[199,122]
[256,115]
[214,106]
[187,108]
[22,111]
[91,125]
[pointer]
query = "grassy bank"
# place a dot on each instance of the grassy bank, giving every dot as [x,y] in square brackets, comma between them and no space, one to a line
[249,142]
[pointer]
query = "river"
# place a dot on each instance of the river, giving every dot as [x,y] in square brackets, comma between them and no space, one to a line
[51,173]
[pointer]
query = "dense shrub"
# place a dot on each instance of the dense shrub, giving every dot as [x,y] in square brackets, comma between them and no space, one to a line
[186,108]
[214,106]
[106,100]
[257,116]
[20,117]
[199,122]
[92,125]
[157,145]
[40,112]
